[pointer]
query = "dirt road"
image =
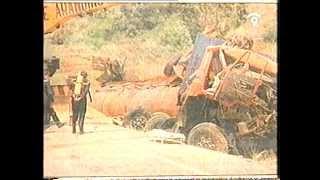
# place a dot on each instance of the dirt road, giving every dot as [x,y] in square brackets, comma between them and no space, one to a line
[109,150]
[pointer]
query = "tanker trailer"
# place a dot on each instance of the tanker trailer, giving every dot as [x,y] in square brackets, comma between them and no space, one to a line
[119,99]
[229,96]
[156,96]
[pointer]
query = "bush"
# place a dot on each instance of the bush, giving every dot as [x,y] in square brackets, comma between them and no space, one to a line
[174,33]
[175,24]
[146,33]
[270,36]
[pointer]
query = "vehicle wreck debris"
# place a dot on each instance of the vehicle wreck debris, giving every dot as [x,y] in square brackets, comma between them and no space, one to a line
[227,95]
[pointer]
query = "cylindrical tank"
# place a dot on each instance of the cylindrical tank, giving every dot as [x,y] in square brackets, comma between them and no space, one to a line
[120,100]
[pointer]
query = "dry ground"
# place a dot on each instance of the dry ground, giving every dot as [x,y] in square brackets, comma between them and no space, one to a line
[109,150]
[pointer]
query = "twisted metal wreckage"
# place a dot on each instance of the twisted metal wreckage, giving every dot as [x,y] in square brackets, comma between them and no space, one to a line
[226,98]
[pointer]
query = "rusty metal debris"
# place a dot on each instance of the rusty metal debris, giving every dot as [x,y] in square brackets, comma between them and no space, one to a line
[231,88]
[239,41]
[113,70]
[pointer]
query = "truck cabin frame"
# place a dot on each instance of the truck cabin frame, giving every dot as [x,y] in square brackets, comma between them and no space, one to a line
[208,96]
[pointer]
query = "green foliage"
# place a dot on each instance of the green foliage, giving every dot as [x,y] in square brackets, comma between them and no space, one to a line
[135,20]
[168,28]
[174,33]
[270,35]
[223,17]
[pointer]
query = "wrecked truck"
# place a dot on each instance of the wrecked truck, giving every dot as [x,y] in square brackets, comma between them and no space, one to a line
[228,100]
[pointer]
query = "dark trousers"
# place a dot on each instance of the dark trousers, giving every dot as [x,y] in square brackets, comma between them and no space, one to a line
[79,109]
[54,116]
[48,113]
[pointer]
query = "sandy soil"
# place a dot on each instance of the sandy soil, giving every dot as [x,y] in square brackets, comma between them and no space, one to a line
[109,150]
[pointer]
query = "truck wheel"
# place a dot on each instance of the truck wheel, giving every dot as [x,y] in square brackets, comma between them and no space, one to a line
[159,114]
[156,121]
[138,122]
[169,124]
[208,135]
[138,118]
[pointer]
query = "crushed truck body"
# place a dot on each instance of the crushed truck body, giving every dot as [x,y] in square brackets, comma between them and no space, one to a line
[225,99]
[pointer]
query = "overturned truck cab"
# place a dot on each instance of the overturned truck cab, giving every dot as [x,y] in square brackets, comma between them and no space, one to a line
[230,104]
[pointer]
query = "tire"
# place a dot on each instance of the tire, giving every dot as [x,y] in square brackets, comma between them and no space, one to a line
[159,114]
[169,124]
[208,135]
[156,121]
[138,122]
[137,119]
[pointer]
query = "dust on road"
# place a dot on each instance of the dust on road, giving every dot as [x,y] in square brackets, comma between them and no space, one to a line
[109,150]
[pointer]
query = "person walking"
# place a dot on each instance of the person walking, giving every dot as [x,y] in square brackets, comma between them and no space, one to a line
[48,97]
[80,90]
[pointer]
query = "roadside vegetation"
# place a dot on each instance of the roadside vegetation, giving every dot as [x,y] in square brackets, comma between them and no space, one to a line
[145,36]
